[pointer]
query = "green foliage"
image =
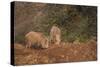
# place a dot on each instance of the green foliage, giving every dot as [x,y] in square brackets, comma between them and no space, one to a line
[19,39]
[75,22]
[83,38]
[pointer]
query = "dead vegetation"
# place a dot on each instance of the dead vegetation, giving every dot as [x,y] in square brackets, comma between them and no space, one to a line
[67,52]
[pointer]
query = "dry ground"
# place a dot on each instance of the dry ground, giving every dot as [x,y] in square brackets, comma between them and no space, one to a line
[67,52]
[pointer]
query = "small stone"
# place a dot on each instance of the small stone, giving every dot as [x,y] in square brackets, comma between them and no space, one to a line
[62,56]
[75,51]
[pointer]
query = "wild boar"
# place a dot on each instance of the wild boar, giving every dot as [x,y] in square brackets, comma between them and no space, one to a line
[55,35]
[37,39]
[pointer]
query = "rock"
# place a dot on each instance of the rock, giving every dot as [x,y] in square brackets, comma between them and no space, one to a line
[62,56]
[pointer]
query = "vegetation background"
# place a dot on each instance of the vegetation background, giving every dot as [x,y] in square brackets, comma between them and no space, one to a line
[78,26]
[75,21]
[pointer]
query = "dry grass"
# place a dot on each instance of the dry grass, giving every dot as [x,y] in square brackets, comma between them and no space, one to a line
[67,52]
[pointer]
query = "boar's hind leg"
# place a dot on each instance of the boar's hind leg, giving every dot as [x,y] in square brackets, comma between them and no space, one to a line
[28,45]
